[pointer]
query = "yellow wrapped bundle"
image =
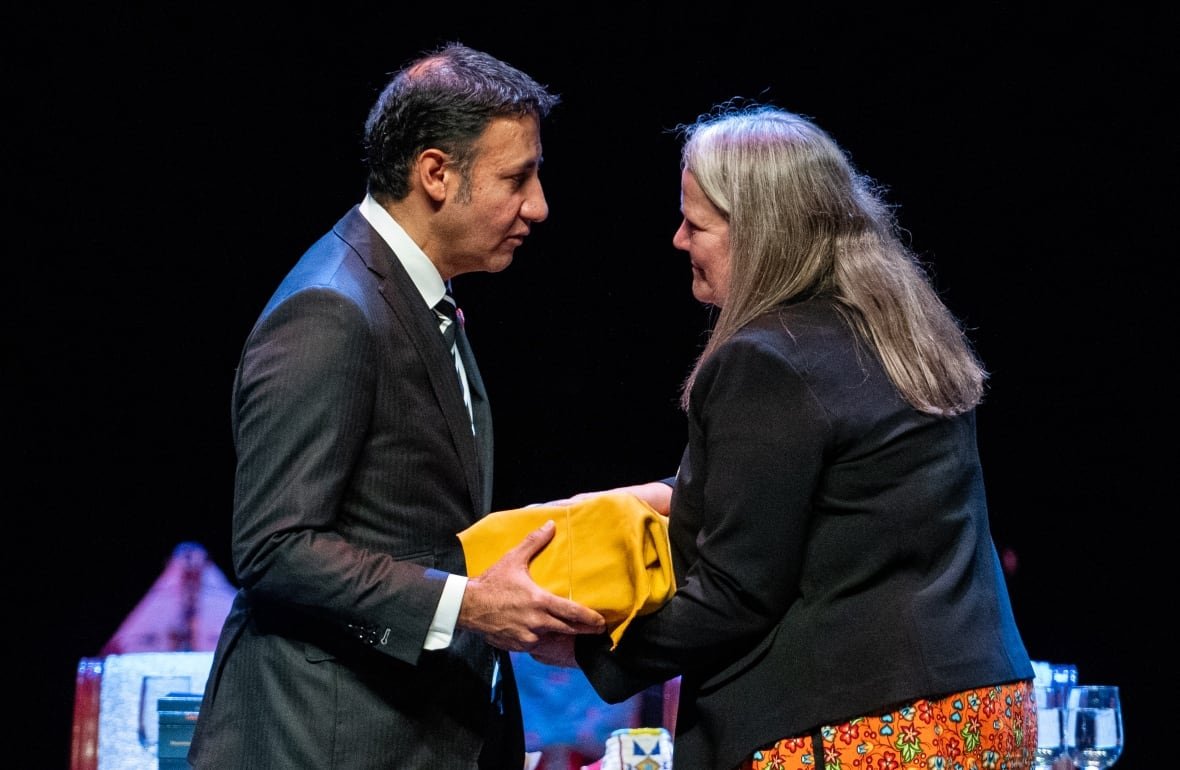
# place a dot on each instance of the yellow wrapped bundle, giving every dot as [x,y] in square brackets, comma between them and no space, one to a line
[610,553]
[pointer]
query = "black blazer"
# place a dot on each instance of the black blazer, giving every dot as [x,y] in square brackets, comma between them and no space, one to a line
[831,547]
[356,467]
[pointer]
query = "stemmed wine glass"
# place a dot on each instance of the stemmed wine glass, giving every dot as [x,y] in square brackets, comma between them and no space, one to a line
[1050,702]
[1093,726]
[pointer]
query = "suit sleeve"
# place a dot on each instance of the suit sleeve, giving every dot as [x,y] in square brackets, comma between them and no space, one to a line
[303,400]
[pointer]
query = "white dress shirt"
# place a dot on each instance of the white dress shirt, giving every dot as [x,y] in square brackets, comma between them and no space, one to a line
[430,285]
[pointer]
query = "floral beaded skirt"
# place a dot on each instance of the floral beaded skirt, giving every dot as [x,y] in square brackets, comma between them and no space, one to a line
[990,728]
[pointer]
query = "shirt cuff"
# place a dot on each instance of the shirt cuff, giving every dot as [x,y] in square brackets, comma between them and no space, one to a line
[442,628]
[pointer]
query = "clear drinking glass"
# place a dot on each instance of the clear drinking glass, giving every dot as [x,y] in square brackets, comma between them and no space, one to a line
[1093,726]
[1050,744]
[1064,676]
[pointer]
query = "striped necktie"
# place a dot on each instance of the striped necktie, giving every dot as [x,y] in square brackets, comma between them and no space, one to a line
[449,321]
[448,318]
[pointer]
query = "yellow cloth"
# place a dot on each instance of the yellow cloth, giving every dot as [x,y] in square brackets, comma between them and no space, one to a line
[610,553]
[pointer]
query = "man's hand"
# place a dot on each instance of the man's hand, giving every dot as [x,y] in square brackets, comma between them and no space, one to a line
[512,612]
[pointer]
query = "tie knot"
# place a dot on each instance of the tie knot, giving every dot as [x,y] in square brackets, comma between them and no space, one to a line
[448,318]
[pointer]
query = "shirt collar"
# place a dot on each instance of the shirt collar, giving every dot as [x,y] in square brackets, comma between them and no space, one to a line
[422,271]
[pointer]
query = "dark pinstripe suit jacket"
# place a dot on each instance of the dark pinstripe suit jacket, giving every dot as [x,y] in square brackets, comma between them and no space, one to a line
[356,466]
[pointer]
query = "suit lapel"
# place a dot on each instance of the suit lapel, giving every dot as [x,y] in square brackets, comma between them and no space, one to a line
[421,327]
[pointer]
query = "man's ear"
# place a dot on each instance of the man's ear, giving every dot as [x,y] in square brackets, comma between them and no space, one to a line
[432,169]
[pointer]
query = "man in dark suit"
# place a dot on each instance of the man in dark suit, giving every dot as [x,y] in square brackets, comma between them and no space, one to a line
[364,444]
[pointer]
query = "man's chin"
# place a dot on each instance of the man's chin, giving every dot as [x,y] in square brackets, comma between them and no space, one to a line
[498,263]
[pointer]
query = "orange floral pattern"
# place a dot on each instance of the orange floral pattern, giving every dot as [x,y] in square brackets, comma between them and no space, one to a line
[990,728]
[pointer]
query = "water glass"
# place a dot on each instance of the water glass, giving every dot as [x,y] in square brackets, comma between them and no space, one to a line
[1093,728]
[1064,676]
[1050,707]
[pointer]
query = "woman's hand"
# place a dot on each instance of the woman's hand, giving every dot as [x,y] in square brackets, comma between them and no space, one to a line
[555,650]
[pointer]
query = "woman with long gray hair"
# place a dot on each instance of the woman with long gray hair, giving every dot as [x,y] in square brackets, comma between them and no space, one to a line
[839,596]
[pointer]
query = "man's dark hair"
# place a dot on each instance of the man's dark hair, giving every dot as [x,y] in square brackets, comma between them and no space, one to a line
[444,99]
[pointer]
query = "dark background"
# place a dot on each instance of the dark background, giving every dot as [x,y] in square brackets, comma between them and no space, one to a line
[169,165]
